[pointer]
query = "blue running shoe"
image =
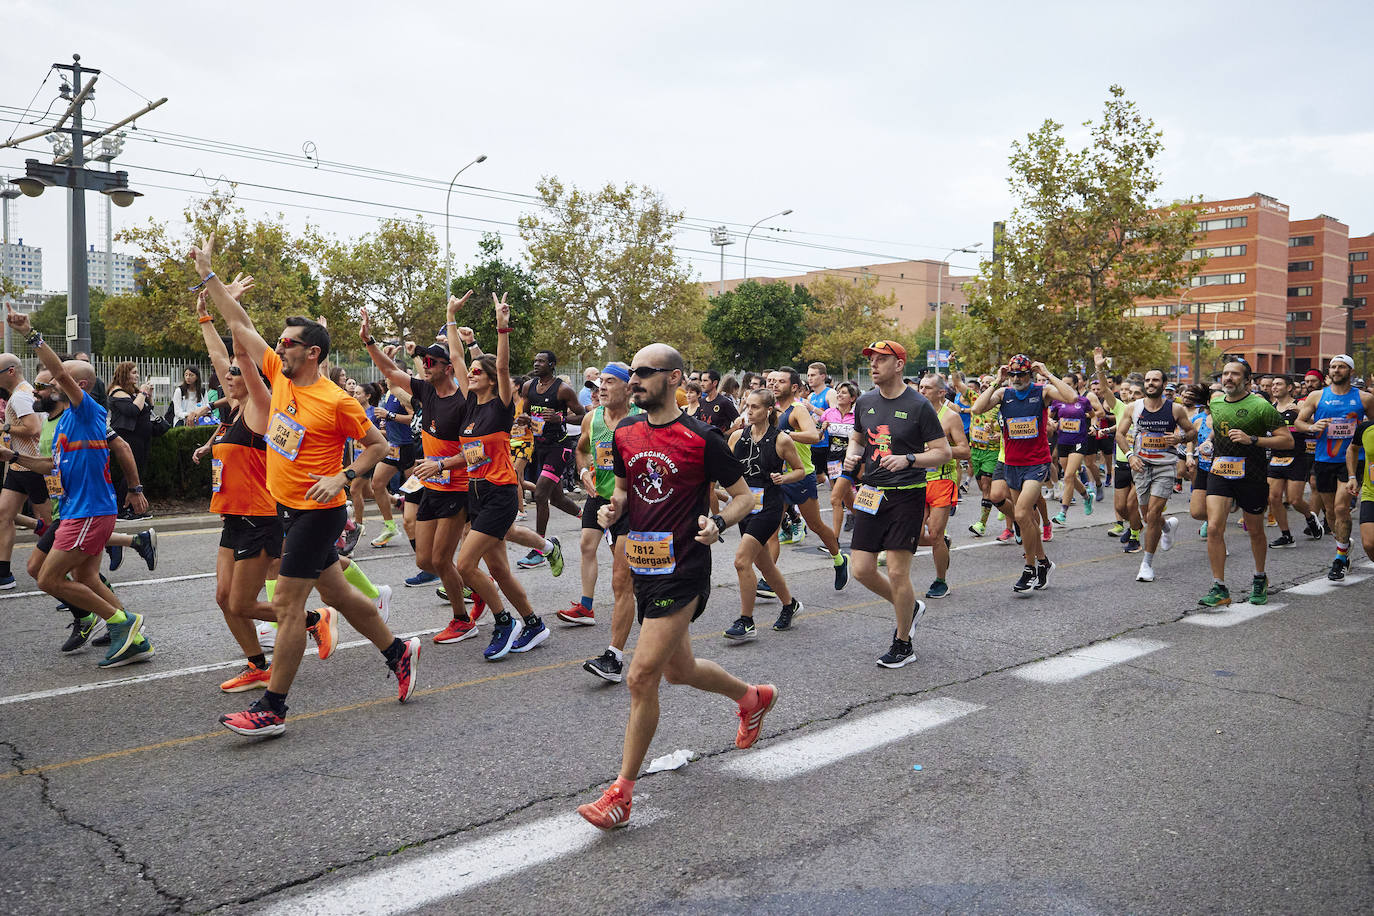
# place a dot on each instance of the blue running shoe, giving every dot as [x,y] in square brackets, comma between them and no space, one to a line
[116,556]
[503,638]
[421,579]
[7,581]
[123,636]
[532,634]
[842,572]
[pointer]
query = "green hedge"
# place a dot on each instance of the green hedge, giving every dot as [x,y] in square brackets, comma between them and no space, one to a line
[170,473]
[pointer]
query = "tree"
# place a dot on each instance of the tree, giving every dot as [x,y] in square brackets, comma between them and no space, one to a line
[845,317]
[681,325]
[51,319]
[159,316]
[605,261]
[491,275]
[396,273]
[758,325]
[1086,240]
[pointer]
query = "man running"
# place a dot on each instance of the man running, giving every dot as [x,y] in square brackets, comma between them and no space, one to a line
[897,438]
[1024,414]
[310,421]
[1331,415]
[985,447]
[820,398]
[1361,485]
[549,403]
[1160,425]
[717,410]
[1243,426]
[942,484]
[664,464]
[1289,469]
[23,426]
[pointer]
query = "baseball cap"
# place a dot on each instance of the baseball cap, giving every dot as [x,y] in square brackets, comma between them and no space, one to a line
[434,351]
[1317,372]
[886,348]
[1342,358]
[1019,363]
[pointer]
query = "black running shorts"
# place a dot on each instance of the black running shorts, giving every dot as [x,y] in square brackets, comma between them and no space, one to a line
[309,536]
[897,524]
[1250,492]
[249,535]
[30,483]
[763,525]
[1330,474]
[663,599]
[619,528]
[492,507]
[435,504]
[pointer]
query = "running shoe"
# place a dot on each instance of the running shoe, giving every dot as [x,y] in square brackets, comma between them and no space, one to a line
[1027,579]
[267,635]
[532,634]
[502,639]
[384,602]
[1166,537]
[606,666]
[608,812]
[1060,519]
[1043,567]
[456,631]
[257,721]
[742,630]
[421,579]
[116,561]
[1017,529]
[386,537]
[82,631]
[751,721]
[1338,568]
[140,651]
[1219,596]
[530,560]
[1088,499]
[1313,529]
[102,641]
[579,614]
[442,593]
[122,636]
[250,678]
[555,558]
[1269,520]
[1285,539]
[1132,546]
[882,558]
[325,633]
[849,522]
[938,589]
[1004,536]
[917,612]
[842,572]
[799,532]
[350,536]
[1116,530]
[1202,532]
[1146,573]
[1046,532]
[1178,486]
[978,529]
[1259,590]
[39,526]
[478,606]
[1125,536]
[899,655]
[764,590]
[784,621]
[145,545]
[407,670]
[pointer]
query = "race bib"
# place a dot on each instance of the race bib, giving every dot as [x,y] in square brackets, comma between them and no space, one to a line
[216,474]
[868,499]
[1311,446]
[1340,429]
[1283,462]
[475,454]
[1154,443]
[834,468]
[650,553]
[537,424]
[980,437]
[758,500]
[284,435]
[444,475]
[843,430]
[394,453]
[604,460]
[1070,425]
[1023,427]
[412,485]
[1230,468]
[54,482]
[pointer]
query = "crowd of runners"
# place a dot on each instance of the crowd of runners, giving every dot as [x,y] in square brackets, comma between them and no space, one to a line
[669,461]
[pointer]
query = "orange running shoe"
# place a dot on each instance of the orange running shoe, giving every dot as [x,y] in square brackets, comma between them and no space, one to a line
[456,631]
[579,614]
[324,632]
[249,678]
[608,812]
[751,722]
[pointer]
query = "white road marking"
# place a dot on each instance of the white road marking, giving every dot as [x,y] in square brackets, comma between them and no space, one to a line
[179,672]
[1080,662]
[1322,586]
[1232,615]
[811,752]
[424,878]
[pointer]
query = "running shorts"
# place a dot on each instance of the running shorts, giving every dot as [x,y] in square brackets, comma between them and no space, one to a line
[31,483]
[1329,475]
[88,535]
[436,504]
[552,460]
[763,525]
[403,457]
[308,540]
[619,528]
[1367,512]
[1298,467]
[982,461]
[797,493]
[655,599]
[1123,479]
[492,507]
[1250,492]
[249,535]
[941,494]
[896,525]
[1017,476]
[1155,480]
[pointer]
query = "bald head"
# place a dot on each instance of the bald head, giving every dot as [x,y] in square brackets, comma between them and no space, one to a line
[661,356]
[653,393]
[84,373]
[9,361]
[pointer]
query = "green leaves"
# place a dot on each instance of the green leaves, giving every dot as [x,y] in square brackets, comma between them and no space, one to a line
[757,325]
[492,275]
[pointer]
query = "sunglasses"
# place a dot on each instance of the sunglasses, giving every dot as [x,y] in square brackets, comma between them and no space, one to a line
[235,370]
[475,370]
[289,342]
[1017,374]
[646,372]
[432,361]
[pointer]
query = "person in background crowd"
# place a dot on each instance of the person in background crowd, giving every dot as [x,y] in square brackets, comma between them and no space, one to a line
[187,396]
[131,415]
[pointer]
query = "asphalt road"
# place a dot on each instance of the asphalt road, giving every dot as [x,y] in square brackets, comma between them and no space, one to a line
[1098,747]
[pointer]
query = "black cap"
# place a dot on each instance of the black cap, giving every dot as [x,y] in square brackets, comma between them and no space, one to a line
[434,351]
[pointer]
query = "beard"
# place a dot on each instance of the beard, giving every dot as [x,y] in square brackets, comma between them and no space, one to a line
[44,404]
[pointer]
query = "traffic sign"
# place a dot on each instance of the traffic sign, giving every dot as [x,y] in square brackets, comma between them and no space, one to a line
[1181,372]
[938,360]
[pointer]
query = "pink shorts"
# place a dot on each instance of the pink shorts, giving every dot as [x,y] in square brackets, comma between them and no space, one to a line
[88,535]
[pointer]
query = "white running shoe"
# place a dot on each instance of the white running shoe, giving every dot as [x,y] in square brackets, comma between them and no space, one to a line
[1146,573]
[1166,538]
[267,634]
[384,602]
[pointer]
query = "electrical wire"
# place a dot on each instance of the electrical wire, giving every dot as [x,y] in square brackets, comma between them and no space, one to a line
[19,122]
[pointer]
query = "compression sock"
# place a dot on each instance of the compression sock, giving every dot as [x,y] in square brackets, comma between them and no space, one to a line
[586,602]
[359,580]
[275,702]
[394,652]
[626,787]
[119,617]
[389,524]
[258,661]
[271,587]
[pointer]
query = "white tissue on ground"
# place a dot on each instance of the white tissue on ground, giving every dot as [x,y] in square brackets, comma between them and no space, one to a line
[673,761]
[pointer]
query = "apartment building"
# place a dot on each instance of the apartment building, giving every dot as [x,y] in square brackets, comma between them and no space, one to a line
[23,263]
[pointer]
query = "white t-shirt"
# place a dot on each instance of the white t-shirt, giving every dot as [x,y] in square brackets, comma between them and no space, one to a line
[20,406]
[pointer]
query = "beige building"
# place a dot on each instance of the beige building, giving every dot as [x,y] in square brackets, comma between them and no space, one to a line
[912,283]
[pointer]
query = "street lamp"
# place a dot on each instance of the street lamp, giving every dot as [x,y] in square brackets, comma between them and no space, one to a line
[8,192]
[939,289]
[447,197]
[751,232]
[1179,312]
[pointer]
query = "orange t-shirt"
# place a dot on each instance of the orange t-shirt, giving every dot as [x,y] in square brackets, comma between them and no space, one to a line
[306,433]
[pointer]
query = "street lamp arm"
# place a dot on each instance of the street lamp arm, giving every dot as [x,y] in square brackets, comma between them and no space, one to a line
[751,232]
[447,198]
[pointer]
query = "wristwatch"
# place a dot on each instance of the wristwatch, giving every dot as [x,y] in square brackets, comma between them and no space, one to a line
[350,475]
[1254,440]
[370,342]
[719,522]
[137,489]
[910,459]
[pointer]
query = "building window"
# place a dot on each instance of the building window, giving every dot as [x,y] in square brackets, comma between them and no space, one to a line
[1217,279]
[1299,316]
[1226,334]
[1224,251]
[1232,222]
[1299,341]
[1359,256]
[1360,302]
[1299,291]
[1295,266]
[1361,278]
[1302,241]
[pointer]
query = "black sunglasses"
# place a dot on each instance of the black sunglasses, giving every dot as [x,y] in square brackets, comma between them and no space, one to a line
[644,372]
[1017,374]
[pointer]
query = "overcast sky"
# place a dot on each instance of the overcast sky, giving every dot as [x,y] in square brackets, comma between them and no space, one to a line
[888,123]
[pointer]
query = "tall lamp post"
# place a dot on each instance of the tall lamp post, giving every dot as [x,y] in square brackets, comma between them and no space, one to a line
[448,291]
[751,232]
[939,291]
[1349,303]
[8,192]
[1179,311]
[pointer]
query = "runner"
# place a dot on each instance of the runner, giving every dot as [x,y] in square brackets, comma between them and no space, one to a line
[1360,482]
[985,459]
[821,397]
[1289,469]
[771,460]
[22,429]
[1330,416]
[1243,426]
[598,479]
[1124,500]
[1073,422]
[311,418]
[1024,409]
[395,416]
[81,455]
[897,438]
[1199,453]
[664,465]
[942,484]
[1159,426]
[838,422]
[549,403]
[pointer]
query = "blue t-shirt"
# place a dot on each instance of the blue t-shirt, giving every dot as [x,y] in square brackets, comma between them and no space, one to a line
[820,401]
[397,432]
[964,415]
[82,455]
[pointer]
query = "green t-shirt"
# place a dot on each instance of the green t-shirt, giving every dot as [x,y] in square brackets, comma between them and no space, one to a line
[1251,414]
[600,440]
[1364,439]
[1118,411]
[950,469]
[45,437]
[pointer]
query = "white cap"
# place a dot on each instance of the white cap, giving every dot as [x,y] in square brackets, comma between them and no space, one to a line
[1342,358]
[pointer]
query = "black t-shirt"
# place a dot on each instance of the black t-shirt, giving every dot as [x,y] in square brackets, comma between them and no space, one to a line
[546,409]
[761,461]
[668,471]
[894,426]
[718,414]
[444,416]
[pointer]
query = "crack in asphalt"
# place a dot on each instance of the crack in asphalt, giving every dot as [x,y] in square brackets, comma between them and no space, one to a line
[142,869]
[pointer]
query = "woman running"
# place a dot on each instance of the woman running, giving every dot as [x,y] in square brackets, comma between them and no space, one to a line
[838,421]
[770,459]
[1199,461]
[1074,445]
[395,415]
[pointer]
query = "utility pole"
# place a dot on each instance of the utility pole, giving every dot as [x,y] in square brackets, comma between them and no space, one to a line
[1348,303]
[8,192]
[720,237]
